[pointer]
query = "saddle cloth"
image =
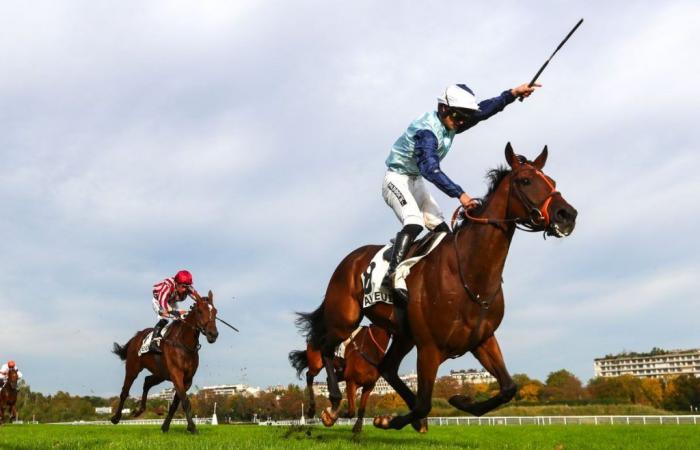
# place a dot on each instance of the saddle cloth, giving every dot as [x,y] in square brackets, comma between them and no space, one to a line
[146,343]
[374,274]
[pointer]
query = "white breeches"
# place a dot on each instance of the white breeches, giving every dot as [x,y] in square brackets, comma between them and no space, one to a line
[408,196]
[160,312]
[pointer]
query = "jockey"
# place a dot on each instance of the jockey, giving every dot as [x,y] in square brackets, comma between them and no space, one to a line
[166,296]
[417,153]
[9,365]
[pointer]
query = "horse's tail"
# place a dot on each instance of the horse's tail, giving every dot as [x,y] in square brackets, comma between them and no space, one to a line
[121,350]
[298,360]
[313,327]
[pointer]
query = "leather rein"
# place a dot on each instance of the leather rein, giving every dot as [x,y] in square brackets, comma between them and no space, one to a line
[181,345]
[359,348]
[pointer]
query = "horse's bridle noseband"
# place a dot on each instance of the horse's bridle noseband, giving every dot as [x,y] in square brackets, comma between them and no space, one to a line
[538,216]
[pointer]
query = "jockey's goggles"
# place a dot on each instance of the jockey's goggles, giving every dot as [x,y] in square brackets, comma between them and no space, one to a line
[460,115]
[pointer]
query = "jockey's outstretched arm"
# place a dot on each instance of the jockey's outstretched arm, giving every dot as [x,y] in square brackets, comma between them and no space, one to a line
[429,165]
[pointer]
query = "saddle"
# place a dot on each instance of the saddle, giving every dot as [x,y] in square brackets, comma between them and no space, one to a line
[146,343]
[372,277]
[419,248]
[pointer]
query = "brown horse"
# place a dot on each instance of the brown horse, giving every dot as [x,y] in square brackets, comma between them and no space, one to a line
[178,362]
[455,297]
[8,396]
[362,354]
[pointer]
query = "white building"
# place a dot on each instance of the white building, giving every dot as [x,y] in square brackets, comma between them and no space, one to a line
[381,388]
[656,364]
[472,376]
[103,410]
[230,389]
[164,394]
[321,388]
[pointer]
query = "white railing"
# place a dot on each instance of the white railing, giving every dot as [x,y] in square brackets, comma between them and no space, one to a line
[197,421]
[474,421]
[524,420]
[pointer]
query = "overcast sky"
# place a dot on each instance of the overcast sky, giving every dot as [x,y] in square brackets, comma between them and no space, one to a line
[245,141]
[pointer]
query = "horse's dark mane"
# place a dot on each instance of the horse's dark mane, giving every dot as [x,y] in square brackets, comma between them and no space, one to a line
[493,178]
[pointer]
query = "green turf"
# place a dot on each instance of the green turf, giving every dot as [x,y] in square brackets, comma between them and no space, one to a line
[22,437]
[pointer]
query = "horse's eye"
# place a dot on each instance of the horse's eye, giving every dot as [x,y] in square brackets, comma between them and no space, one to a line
[525,181]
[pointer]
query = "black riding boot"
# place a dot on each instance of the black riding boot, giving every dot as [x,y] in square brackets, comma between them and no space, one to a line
[402,243]
[155,340]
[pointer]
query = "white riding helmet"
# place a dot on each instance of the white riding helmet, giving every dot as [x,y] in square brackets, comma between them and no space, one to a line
[459,96]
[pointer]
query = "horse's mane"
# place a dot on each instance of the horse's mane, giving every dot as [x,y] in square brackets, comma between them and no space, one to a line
[493,178]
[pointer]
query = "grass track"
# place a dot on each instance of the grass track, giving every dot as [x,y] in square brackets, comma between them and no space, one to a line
[25,437]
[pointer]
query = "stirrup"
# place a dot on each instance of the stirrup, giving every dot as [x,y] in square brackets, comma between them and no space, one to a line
[400,297]
[155,345]
[388,281]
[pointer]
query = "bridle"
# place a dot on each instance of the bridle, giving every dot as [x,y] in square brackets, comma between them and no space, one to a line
[198,328]
[538,217]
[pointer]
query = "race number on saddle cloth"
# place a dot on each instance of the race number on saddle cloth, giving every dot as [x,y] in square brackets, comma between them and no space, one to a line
[372,277]
[148,339]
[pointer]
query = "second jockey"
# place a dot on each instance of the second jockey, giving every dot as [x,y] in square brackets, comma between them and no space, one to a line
[166,298]
[416,155]
[9,365]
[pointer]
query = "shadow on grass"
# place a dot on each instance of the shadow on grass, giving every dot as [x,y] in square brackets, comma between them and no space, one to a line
[371,438]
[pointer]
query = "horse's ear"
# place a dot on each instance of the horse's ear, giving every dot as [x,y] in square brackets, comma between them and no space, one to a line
[540,160]
[512,160]
[211,296]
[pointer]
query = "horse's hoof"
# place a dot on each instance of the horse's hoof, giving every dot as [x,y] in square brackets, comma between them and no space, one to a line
[357,429]
[115,419]
[421,425]
[382,422]
[165,429]
[328,418]
[192,430]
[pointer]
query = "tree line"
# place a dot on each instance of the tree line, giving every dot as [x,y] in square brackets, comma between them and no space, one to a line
[679,394]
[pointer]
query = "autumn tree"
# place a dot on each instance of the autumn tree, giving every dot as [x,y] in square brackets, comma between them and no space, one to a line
[562,385]
[683,392]
[446,387]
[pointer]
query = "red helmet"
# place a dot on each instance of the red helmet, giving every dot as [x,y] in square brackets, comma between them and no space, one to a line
[10,364]
[183,277]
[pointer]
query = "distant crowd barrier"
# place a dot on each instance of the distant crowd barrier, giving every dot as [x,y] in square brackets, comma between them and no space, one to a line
[529,420]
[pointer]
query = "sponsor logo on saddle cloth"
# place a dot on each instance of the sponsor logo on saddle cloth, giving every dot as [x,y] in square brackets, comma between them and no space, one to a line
[146,344]
[374,274]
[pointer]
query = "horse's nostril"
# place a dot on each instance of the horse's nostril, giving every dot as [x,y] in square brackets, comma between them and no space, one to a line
[566,215]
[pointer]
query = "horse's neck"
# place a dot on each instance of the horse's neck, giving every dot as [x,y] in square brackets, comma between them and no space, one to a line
[483,248]
[187,332]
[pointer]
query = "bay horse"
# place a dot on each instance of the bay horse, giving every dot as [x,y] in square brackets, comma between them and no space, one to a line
[362,354]
[455,298]
[8,396]
[177,363]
